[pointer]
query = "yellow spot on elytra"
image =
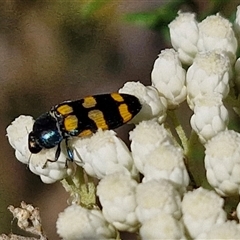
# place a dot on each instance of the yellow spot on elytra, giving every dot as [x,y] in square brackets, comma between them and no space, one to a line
[125,114]
[71,122]
[117,97]
[65,109]
[85,133]
[98,117]
[89,102]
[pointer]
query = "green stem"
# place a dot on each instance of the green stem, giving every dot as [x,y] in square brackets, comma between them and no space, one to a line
[195,163]
[192,152]
[233,102]
[180,131]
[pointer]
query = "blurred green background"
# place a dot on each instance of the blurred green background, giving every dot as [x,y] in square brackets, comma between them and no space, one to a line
[51,51]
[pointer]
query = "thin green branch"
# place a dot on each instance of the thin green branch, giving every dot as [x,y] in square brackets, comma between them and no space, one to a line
[180,131]
[234,103]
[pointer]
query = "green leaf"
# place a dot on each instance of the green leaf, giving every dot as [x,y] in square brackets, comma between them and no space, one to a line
[156,19]
[145,19]
[92,6]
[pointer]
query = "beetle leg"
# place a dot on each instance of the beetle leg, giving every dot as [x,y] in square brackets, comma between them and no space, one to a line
[69,151]
[57,154]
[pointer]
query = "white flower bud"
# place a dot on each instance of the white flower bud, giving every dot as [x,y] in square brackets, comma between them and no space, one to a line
[226,230]
[162,226]
[146,137]
[169,77]
[156,197]
[210,117]
[17,134]
[201,210]
[49,172]
[166,162]
[216,33]
[117,196]
[222,162]
[76,222]
[208,75]
[153,105]
[184,36]
[102,154]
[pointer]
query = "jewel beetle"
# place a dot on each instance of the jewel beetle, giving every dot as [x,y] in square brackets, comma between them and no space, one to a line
[81,118]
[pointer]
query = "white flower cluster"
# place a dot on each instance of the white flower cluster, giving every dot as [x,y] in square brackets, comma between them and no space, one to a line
[144,189]
[169,77]
[153,104]
[222,163]
[132,206]
[209,49]
[156,156]
[49,172]
[77,222]
[202,209]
